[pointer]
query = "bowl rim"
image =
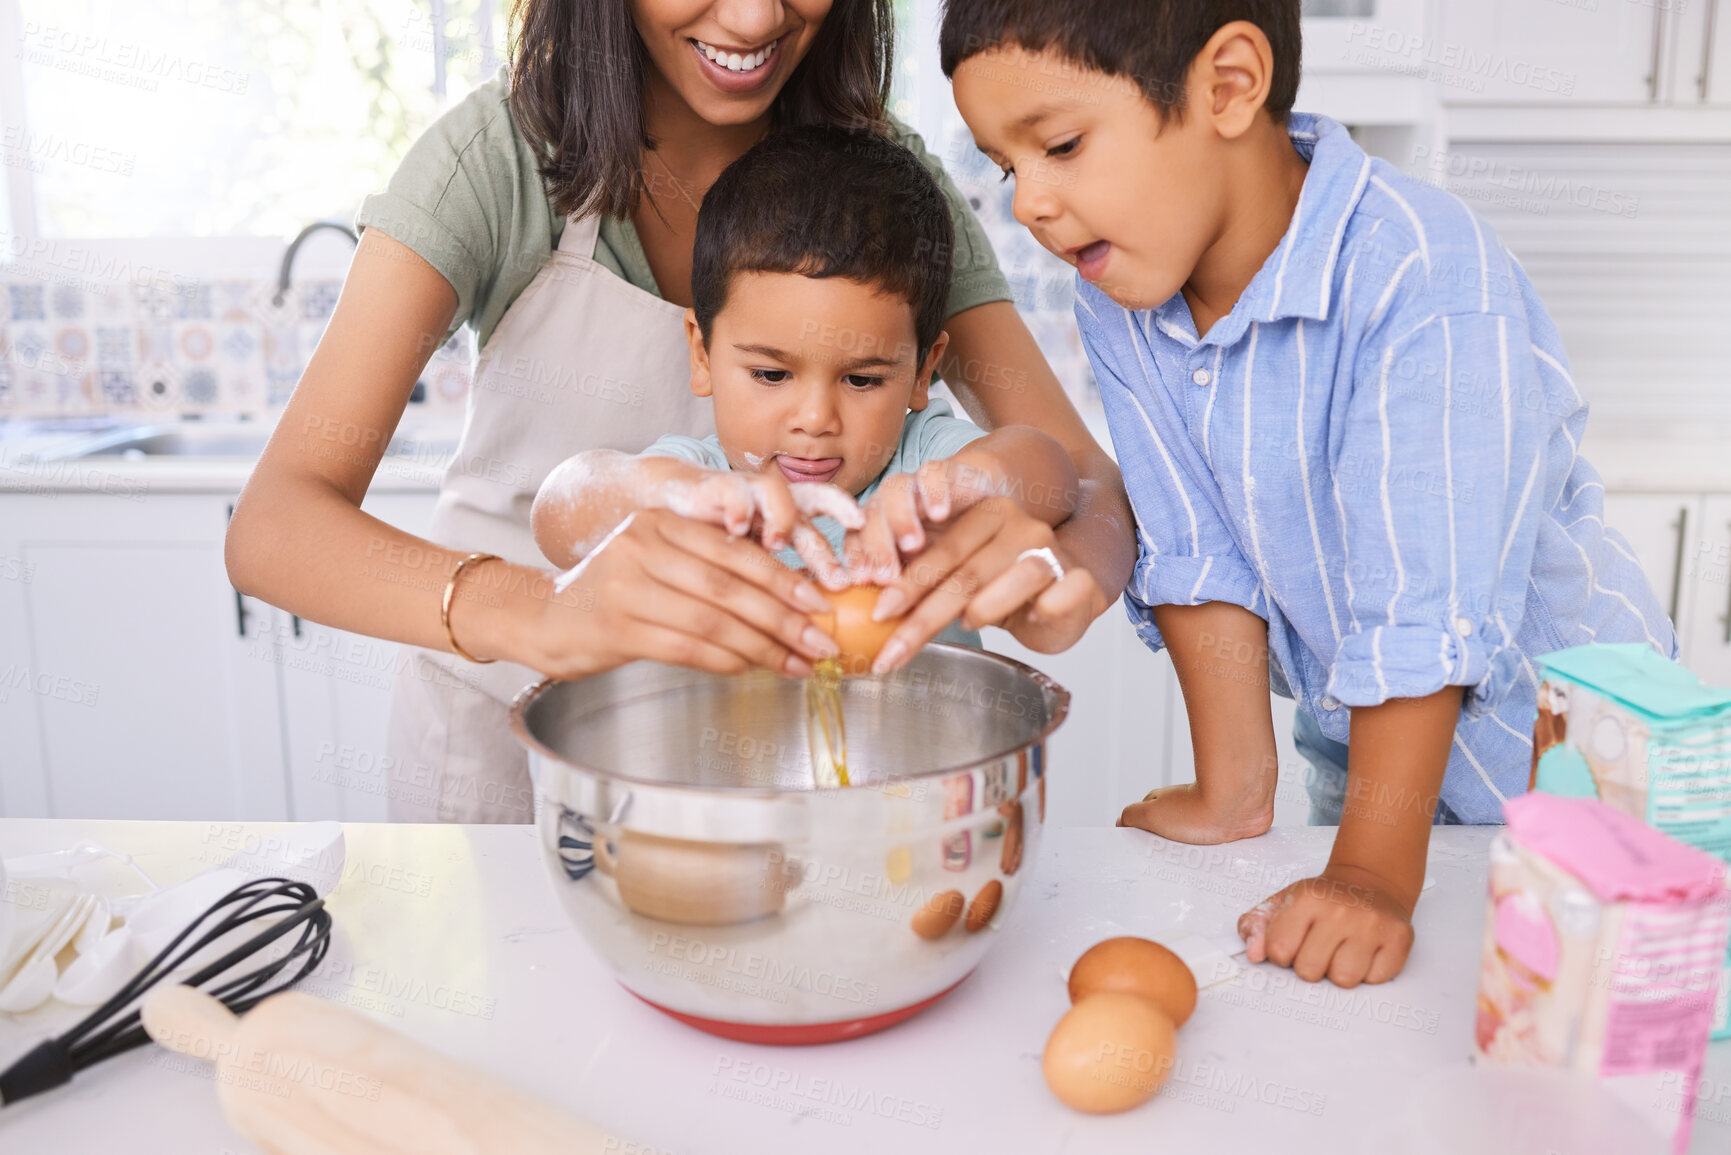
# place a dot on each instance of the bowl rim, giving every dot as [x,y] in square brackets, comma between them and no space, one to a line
[1061,710]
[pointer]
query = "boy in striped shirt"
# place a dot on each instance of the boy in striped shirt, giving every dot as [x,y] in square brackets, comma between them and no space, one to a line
[1346,425]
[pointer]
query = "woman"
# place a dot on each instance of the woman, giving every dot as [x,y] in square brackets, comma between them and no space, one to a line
[555,214]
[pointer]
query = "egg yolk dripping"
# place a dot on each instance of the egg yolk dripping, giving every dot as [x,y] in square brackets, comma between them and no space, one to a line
[850,624]
[825,730]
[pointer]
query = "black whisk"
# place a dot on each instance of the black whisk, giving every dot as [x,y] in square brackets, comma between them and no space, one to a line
[294,905]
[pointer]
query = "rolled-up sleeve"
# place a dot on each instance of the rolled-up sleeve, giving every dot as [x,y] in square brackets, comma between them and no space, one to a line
[1186,553]
[1439,479]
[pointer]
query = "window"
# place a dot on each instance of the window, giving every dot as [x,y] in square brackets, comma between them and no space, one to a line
[1044,285]
[212,118]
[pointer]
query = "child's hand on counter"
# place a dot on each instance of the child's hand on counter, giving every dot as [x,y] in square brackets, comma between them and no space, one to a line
[1346,924]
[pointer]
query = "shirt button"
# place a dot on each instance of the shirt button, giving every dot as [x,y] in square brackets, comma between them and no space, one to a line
[1202,377]
[1464,627]
[1330,703]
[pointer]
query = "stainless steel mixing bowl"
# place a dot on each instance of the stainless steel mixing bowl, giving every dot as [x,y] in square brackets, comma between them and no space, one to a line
[686,841]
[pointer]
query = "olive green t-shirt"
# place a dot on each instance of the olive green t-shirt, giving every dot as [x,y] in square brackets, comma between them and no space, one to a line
[468,200]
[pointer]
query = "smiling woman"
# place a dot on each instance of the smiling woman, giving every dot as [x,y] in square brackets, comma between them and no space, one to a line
[553,210]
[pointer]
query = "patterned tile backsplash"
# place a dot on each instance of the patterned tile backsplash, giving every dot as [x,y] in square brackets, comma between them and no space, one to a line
[171,349]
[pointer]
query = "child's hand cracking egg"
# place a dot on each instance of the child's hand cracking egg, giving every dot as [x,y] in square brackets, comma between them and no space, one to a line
[850,624]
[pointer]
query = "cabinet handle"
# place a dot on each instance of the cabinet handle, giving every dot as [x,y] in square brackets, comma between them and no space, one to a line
[1727,616]
[239,601]
[1701,81]
[1682,527]
[1658,50]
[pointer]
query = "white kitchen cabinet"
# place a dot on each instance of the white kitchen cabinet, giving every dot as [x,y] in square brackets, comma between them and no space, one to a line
[336,699]
[1575,52]
[141,685]
[1707,565]
[1659,528]
[1355,35]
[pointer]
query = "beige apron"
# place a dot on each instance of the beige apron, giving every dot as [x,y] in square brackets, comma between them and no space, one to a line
[581,360]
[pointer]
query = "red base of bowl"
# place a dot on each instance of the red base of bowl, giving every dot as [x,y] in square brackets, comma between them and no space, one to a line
[802,1034]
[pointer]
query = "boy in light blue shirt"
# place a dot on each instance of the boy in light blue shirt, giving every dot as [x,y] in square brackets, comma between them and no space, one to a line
[1348,431]
[820,274]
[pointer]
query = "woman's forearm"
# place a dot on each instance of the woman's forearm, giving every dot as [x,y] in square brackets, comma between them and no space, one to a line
[304,546]
[1102,530]
[298,538]
[1020,464]
[996,370]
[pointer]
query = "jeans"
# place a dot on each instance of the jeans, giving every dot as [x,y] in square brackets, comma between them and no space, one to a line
[1326,782]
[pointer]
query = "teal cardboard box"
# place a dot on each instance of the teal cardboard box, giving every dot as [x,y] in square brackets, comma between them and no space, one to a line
[1640,733]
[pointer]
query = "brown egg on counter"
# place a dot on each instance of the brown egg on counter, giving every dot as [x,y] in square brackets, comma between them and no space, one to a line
[1109,1052]
[939,914]
[1136,966]
[984,906]
[850,624]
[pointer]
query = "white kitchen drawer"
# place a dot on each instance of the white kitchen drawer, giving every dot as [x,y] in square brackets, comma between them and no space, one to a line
[142,685]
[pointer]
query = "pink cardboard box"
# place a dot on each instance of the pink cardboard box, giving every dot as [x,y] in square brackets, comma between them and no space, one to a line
[1604,941]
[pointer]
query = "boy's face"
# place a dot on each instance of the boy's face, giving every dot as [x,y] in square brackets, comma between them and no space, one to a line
[812,376]
[1133,202]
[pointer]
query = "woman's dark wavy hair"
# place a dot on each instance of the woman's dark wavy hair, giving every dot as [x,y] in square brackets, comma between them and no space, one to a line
[577,84]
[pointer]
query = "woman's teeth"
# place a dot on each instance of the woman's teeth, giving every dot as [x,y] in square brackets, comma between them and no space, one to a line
[733,61]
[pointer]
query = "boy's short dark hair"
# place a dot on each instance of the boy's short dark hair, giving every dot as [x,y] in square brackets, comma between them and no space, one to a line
[1153,42]
[824,202]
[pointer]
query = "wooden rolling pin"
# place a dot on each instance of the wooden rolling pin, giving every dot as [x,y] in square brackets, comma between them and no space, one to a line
[301,1076]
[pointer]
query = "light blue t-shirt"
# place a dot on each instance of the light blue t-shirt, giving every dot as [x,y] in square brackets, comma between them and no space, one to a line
[929,434]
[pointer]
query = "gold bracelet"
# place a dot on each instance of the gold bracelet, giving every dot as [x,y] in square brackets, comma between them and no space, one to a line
[451,595]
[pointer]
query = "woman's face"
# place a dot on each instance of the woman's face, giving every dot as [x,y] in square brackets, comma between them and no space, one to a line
[728,58]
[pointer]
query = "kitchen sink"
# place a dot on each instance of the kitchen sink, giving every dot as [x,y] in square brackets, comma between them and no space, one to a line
[226,440]
[231,439]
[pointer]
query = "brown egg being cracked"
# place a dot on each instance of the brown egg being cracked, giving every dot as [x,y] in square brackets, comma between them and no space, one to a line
[1109,1053]
[1136,966]
[850,625]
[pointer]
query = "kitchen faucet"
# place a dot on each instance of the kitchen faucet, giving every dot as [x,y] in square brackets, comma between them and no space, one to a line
[288,257]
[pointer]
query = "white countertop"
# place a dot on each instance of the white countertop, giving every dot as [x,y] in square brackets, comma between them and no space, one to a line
[1632,458]
[35,461]
[451,936]
[113,475]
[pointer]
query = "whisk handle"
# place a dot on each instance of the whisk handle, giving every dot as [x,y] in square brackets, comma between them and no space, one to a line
[42,1068]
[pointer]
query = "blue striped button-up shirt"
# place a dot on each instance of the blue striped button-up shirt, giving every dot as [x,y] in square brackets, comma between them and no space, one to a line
[1377,450]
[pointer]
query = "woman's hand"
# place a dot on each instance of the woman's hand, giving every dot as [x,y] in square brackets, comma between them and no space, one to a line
[767,507]
[977,568]
[676,590]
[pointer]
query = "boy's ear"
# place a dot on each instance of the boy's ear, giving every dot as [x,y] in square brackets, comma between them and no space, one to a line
[1234,70]
[923,379]
[701,385]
